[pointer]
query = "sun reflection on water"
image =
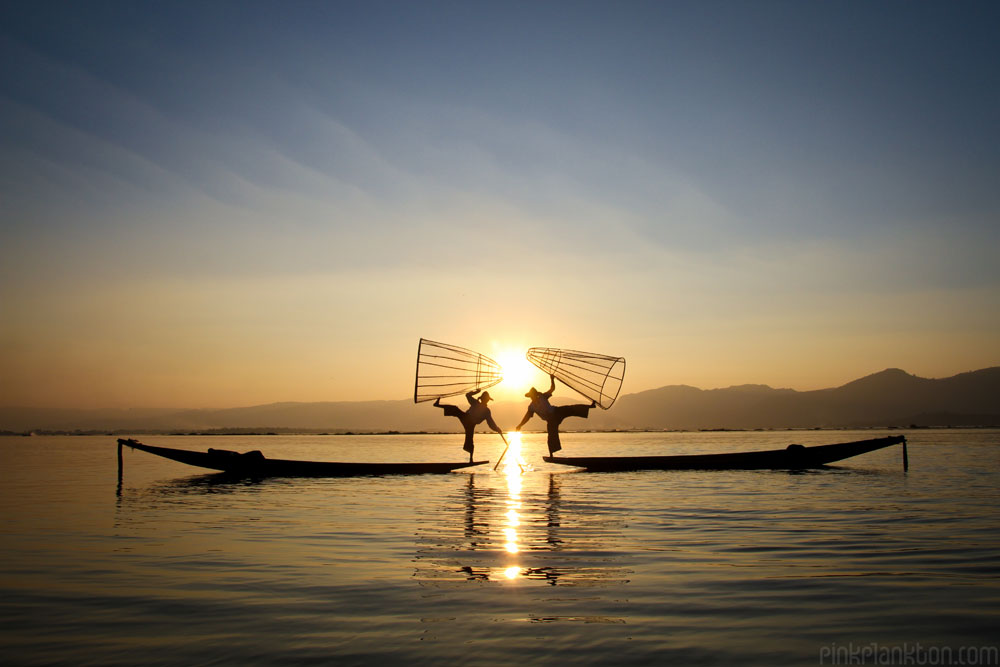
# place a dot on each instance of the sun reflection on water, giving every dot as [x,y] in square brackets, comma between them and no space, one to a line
[512,470]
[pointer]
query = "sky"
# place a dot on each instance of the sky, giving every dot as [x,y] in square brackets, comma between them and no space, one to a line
[214,204]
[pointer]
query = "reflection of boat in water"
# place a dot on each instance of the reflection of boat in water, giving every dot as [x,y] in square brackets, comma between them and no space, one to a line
[255,464]
[791,458]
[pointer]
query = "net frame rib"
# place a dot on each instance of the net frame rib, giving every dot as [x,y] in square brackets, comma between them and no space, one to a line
[474,371]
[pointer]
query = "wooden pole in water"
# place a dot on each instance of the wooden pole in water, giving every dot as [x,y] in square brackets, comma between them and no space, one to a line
[119,467]
[506,446]
[906,459]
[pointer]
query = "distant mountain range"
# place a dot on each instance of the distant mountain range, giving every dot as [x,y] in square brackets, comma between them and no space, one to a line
[889,398]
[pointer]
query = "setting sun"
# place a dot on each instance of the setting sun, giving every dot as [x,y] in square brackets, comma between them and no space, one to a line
[518,373]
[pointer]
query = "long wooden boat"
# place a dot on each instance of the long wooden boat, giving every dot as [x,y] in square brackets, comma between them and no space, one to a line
[792,457]
[255,464]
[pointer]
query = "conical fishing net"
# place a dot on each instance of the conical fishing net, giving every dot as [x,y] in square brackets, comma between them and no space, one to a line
[596,376]
[448,370]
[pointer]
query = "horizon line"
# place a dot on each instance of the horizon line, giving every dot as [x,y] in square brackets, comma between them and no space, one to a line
[497,401]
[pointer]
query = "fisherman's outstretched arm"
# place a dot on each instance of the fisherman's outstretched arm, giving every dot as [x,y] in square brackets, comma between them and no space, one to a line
[552,385]
[469,397]
[527,416]
[493,425]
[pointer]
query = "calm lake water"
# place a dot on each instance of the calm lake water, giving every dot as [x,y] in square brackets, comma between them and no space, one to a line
[482,567]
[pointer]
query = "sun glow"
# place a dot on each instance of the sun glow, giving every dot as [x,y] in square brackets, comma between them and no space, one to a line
[518,373]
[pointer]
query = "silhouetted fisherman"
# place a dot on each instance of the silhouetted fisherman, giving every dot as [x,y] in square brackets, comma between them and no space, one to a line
[552,414]
[476,414]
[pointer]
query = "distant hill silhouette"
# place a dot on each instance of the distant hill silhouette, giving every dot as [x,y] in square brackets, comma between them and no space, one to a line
[889,398]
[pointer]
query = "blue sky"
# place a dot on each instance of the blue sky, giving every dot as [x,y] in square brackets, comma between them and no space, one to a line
[228,203]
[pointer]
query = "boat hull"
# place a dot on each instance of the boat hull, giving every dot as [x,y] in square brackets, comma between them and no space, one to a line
[254,464]
[792,457]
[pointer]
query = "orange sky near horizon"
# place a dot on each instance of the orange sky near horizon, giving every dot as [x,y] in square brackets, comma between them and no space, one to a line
[123,355]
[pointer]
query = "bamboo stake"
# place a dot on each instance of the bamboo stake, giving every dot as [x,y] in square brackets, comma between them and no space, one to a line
[119,468]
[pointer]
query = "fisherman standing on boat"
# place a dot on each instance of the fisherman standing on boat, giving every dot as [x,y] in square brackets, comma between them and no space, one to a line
[476,414]
[552,414]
